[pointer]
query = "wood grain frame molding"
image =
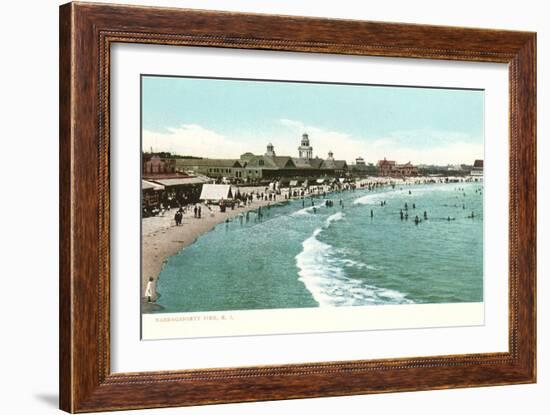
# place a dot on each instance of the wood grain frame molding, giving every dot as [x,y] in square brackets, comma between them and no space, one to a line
[86,33]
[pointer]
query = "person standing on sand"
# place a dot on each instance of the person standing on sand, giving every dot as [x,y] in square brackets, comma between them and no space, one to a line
[195,210]
[199,212]
[149,289]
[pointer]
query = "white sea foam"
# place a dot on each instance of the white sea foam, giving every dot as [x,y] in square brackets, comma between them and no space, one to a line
[376,198]
[306,211]
[357,264]
[333,218]
[323,274]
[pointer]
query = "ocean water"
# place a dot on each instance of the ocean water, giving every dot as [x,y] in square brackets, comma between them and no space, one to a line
[337,256]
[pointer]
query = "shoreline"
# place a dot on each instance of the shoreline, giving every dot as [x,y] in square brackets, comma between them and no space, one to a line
[161,239]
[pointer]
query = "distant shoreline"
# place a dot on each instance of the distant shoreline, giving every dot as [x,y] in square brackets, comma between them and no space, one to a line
[161,239]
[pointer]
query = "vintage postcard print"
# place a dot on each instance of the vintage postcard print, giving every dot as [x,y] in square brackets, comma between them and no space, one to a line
[274,207]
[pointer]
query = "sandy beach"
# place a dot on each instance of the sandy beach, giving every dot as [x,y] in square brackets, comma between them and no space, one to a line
[161,238]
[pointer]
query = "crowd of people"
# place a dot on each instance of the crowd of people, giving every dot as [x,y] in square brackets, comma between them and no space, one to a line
[270,194]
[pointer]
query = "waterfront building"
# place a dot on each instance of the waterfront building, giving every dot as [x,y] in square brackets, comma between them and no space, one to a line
[477,169]
[181,190]
[252,167]
[215,168]
[361,168]
[391,168]
[151,195]
[259,167]
[270,166]
[163,184]
[154,164]
[338,166]
[407,169]
[386,167]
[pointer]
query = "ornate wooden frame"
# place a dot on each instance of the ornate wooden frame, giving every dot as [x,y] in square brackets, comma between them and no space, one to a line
[86,33]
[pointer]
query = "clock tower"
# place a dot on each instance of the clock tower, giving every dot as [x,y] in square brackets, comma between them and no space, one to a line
[305,151]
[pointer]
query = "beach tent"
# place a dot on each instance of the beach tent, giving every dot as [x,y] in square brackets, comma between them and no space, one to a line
[216,192]
[294,183]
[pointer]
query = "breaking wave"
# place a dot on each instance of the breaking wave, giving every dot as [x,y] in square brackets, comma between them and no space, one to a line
[323,274]
[307,210]
[376,198]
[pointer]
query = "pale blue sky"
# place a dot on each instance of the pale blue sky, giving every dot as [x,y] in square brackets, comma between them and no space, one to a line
[221,118]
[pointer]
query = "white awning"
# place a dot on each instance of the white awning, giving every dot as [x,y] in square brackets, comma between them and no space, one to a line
[216,192]
[183,181]
[145,185]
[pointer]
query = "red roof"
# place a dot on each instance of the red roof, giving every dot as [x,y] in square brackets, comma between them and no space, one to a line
[386,162]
